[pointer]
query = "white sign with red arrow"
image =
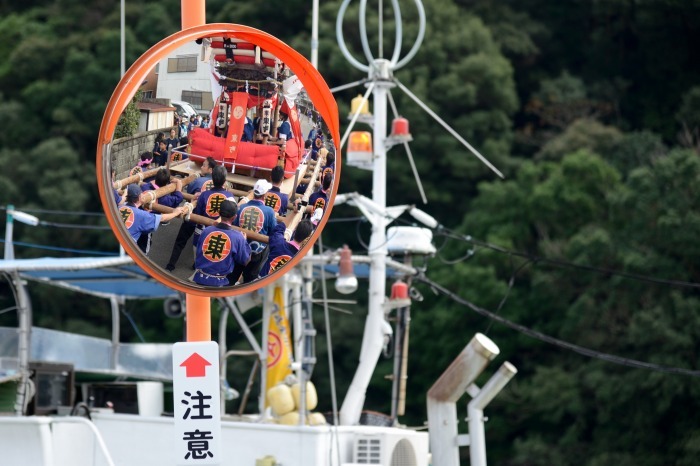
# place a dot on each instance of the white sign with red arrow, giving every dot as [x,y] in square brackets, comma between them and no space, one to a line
[196,403]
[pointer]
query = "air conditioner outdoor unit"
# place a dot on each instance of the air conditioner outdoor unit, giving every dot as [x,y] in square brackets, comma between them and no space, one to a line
[391,447]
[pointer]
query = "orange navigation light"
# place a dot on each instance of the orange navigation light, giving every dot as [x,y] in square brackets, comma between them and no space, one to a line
[360,153]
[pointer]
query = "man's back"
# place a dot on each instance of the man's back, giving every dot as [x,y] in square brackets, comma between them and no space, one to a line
[257,217]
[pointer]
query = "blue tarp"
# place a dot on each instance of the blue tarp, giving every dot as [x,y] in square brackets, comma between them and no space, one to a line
[98,276]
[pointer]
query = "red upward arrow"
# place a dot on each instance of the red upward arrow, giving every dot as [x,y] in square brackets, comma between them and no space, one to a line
[195,366]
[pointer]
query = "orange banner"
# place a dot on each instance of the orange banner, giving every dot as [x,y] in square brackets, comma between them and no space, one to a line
[239,103]
[293,113]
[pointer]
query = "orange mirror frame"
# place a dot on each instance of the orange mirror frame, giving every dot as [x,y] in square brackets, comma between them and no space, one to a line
[315,86]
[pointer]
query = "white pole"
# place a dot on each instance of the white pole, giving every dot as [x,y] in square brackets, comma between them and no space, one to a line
[24,312]
[9,221]
[314,34]
[21,217]
[296,284]
[475,412]
[115,304]
[375,325]
[122,67]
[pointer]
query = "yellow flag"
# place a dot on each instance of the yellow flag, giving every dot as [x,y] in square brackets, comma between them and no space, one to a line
[279,348]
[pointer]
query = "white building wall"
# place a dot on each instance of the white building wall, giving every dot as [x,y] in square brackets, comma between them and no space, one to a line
[171,85]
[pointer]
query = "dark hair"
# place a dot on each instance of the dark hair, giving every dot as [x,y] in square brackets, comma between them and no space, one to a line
[303,231]
[228,209]
[218,176]
[327,180]
[330,158]
[162,177]
[211,161]
[146,155]
[307,143]
[277,174]
[160,137]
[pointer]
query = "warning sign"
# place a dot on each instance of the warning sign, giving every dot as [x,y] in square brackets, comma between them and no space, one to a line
[196,402]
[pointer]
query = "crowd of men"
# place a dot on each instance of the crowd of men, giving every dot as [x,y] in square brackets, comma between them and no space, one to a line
[234,239]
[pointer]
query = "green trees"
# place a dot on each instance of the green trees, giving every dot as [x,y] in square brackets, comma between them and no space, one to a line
[589,108]
[582,210]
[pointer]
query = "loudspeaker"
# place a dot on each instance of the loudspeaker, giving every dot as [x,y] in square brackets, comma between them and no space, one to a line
[173,308]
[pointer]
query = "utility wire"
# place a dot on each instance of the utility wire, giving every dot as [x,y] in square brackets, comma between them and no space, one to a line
[511,282]
[567,264]
[555,341]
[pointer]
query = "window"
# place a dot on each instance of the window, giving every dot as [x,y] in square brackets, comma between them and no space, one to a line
[182,64]
[147,94]
[198,99]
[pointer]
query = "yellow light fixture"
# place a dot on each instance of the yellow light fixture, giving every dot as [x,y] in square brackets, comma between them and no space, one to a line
[357,103]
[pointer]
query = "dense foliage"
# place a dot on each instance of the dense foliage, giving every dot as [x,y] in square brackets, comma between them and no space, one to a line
[589,108]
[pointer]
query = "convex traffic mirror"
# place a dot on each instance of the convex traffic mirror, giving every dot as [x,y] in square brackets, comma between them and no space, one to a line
[217,160]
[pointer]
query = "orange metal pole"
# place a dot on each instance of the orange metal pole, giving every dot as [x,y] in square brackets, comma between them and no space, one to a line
[198,322]
[193,13]
[198,317]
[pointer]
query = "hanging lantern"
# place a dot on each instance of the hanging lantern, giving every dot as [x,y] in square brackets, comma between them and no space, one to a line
[360,153]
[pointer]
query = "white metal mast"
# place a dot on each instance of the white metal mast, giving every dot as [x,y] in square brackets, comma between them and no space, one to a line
[380,74]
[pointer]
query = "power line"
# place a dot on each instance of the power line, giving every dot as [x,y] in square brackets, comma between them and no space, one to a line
[555,341]
[563,263]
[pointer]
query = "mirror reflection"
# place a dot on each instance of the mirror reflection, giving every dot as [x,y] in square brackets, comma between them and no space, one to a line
[230,169]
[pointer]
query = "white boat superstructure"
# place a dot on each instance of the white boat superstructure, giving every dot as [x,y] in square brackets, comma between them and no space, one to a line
[123,439]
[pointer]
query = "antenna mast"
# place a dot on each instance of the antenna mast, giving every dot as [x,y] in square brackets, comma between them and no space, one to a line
[380,79]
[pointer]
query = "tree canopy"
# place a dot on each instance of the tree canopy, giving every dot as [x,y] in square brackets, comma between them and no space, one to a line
[589,108]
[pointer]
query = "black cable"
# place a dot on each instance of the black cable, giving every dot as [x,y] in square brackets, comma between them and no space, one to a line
[133,325]
[562,263]
[511,282]
[555,341]
[438,249]
[469,254]
[81,406]
[364,245]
